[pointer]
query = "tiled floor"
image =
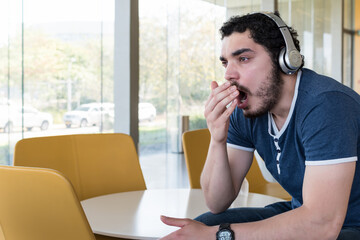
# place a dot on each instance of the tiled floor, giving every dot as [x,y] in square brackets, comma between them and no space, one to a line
[164,170]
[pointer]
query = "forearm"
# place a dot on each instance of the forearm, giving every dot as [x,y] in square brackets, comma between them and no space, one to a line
[301,223]
[326,192]
[216,179]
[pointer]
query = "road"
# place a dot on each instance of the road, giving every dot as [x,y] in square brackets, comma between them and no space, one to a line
[60,129]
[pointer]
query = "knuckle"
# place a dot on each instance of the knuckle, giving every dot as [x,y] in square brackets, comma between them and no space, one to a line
[217,98]
[227,113]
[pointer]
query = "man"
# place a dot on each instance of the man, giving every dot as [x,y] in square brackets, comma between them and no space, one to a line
[305,126]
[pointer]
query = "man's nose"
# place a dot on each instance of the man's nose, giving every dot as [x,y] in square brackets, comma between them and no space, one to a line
[231,73]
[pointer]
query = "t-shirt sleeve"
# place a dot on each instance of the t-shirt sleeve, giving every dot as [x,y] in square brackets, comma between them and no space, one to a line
[330,130]
[239,132]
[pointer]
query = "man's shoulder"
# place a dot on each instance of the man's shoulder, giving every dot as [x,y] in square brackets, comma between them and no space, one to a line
[317,83]
[314,86]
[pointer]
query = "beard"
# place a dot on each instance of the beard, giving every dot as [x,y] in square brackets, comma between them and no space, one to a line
[269,93]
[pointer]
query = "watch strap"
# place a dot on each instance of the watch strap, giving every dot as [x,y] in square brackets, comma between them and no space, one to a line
[224,226]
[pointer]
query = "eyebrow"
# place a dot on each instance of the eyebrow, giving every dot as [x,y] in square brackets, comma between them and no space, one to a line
[237,52]
[240,51]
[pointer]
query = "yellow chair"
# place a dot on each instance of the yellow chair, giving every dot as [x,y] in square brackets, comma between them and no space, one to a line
[96,164]
[196,145]
[1,234]
[38,204]
[258,184]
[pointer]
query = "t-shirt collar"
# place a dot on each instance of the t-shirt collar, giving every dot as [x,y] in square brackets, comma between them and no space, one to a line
[272,128]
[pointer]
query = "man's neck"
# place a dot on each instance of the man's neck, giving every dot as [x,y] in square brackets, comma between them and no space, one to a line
[281,110]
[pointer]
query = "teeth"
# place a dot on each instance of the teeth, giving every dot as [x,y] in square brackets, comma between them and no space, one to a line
[227,106]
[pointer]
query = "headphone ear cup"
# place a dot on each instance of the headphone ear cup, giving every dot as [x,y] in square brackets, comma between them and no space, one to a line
[290,59]
[282,63]
[290,62]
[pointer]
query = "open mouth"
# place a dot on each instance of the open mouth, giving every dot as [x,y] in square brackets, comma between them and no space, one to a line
[242,96]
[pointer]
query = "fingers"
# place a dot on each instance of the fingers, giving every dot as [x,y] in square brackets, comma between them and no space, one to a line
[189,229]
[176,222]
[230,108]
[214,85]
[218,110]
[216,89]
[219,98]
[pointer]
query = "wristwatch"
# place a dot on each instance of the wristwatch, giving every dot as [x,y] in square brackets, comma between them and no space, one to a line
[225,232]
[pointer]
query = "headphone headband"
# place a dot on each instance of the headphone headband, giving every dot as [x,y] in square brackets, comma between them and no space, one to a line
[290,59]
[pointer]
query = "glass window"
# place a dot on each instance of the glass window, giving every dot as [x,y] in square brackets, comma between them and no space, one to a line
[347,59]
[179,51]
[59,59]
[312,20]
[356,53]
[351,44]
[179,57]
[10,76]
[241,7]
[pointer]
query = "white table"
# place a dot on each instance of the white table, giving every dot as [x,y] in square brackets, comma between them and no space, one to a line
[136,215]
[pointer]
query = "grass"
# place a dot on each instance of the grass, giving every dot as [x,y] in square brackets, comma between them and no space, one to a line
[152,135]
[149,135]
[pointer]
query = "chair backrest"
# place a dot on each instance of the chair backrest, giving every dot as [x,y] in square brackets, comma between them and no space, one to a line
[96,164]
[38,204]
[2,237]
[196,145]
[255,176]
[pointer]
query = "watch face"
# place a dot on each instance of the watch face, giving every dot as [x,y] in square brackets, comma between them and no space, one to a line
[224,235]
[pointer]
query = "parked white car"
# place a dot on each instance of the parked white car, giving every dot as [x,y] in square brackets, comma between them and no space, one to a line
[147,111]
[87,114]
[10,118]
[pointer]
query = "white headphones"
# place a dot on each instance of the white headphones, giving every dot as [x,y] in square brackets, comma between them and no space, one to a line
[290,59]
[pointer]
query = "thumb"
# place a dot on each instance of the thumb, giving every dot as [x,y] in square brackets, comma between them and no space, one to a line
[176,222]
[214,85]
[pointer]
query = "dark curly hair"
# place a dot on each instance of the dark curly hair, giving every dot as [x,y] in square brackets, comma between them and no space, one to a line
[263,31]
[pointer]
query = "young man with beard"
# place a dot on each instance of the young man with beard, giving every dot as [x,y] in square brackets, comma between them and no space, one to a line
[305,126]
